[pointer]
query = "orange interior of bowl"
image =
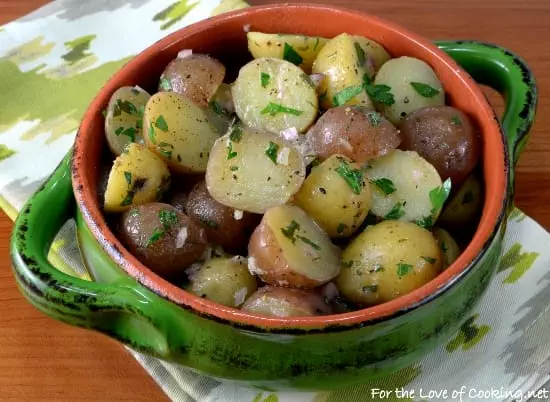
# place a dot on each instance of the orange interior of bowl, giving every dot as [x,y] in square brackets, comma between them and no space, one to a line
[224,38]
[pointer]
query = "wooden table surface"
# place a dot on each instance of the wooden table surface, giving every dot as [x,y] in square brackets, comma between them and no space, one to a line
[42,359]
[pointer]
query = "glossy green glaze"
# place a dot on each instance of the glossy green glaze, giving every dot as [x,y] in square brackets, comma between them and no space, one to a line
[325,358]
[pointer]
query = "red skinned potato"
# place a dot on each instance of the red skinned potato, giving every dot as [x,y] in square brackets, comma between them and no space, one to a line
[225,226]
[357,132]
[284,302]
[289,249]
[445,137]
[196,76]
[162,238]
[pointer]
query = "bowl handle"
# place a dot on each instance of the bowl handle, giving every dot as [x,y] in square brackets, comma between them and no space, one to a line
[122,310]
[508,74]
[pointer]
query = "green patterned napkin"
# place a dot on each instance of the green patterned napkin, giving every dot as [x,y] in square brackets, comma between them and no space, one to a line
[53,61]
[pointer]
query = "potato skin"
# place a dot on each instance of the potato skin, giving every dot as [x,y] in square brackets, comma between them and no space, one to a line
[163,239]
[358,132]
[386,261]
[138,176]
[222,227]
[197,77]
[283,302]
[331,202]
[445,137]
[224,280]
[286,261]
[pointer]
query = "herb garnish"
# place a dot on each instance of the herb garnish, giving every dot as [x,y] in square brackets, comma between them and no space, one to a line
[375,118]
[426,222]
[429,260]
[289,54]
[379,93]
[230,153]
[161,123]
[128,177]
[167,219]
[403,269]
[347,94]
[354,177]
[316,44]
[455,120]
[234,168]
[341,227]
[424,89]
[216,107]
[152,135]
[132,189]
[386,185]
[265,79]
[361,58]
[396,212]
[166,152]
[272,151]
[273,108]
[126,107]
[290,233]
[165,84]
[156,236]
[439,195]
[236,133]
[308,242]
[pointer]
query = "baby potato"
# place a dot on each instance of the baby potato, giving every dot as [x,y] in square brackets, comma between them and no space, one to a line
[196,77]
[124,118]
[336,196]
[179,132]
[445,137]
[298,49]
[449,248]
[344,64]
[289,249]
[163,239]
[225,226]
[138,176]
[252,171]
[378,54]
[283,302]
[406,187]
[386,261]
[357,132]
[223,98]
[465,206]
[274,95]
[225,281]
[412,84]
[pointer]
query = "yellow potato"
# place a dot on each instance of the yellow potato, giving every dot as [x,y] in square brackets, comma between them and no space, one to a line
[224,280]
[280,45]
[466,205]
[449,248]
[179,132]
[386,261]
[138,176]
[336,196]
[344,64]
[289,249]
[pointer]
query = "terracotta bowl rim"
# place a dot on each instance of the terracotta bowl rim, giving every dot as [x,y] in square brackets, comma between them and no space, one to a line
[493,213]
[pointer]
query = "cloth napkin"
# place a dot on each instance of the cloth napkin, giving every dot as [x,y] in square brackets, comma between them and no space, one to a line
[54,60]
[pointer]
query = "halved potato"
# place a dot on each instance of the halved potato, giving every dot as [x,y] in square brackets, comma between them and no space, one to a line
[273,95]
[138,176]
[405,186]
[179,132]
[336,196]
[252,171]
[289,249]
[386,261]
[344,64]
[282,302]
[298,49]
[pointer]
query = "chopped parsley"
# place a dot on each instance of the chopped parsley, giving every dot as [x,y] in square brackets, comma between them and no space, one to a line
[375,118]
[403,269]
[386,185]
[307,79]
[216,107]
[130,132]
[272,151]
[455,121]
[265,79]
[165,84]
[361,57]
[230,153]
[346,94]
[166,149]
[156,236]
[161,123]
[341,227]
[370,289]
[236,133]
[426,222]
[132,189]
[273,108]
[168,218]
[424,89]
[234,168]
[289,54]
[439,195]
[468,197]
[354,177]
[397,212]
[119,130]
[126,107]
[429,260]
[308,242]
[290,230]
[152,135]
[128,177]
[316,44]
[381,94]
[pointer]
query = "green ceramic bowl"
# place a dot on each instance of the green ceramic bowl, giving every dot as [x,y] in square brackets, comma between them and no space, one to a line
[128,302]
